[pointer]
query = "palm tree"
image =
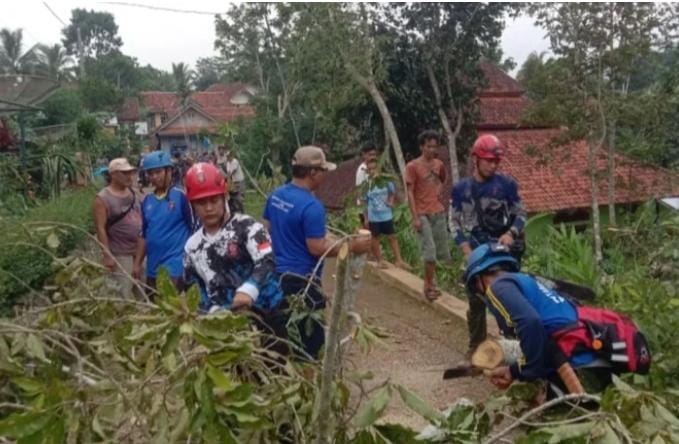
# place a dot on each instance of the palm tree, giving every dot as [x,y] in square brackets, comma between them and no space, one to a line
[12,58]
[54,63]
[183,79]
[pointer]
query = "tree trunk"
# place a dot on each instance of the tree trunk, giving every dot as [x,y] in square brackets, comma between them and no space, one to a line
[356,267]
[445,122]
[330,361]
[611,173]
[370,86]
[596,222]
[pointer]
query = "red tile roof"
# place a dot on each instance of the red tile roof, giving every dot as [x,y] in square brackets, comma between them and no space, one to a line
[230,89]
[338,184]
[216,101]
[553,178]
[502,112]
[499,83]
[159,101]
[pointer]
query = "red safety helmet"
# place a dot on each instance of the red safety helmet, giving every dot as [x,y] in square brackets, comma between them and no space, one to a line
[204,180]
[488,147]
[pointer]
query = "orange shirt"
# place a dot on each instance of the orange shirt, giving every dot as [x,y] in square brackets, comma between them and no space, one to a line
[426,179]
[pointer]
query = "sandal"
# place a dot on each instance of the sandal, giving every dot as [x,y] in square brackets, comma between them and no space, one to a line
[432,294]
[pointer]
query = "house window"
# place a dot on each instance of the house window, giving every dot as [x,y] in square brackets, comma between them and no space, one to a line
[163,118]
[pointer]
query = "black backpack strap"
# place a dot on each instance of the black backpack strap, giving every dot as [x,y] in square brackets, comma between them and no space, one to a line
[476,200]
[120,216]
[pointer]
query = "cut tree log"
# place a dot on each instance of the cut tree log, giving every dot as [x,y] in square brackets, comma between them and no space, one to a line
[488,355]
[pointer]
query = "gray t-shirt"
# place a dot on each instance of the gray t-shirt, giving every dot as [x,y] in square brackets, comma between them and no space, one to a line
[124,234]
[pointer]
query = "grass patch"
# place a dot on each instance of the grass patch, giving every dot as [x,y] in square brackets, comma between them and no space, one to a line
[28,243]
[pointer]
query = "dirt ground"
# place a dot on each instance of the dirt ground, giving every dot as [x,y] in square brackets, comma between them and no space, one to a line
[421,343]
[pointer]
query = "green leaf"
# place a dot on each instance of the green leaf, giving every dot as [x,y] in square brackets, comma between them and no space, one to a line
[171,341]
[97,428]
[242,417]
[143,333]
[606,435]
[53,433]
[35,348]
[165,287]
[29,385]
[224,357]
[193,298]
[419,406]
[372,411]
[220,379]
[19,425]
[53,241]
[568,431]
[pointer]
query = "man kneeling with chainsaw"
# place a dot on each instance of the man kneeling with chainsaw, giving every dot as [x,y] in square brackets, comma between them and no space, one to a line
[554,331]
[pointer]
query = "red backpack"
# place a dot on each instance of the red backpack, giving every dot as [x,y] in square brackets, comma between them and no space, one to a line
[612,336]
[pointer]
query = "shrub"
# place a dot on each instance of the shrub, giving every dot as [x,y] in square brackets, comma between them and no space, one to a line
[29,242]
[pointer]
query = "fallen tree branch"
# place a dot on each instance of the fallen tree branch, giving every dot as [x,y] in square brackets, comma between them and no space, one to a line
[573,397]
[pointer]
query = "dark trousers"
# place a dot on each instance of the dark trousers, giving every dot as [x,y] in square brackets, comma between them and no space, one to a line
[476,320]
[273,325]
[311,331]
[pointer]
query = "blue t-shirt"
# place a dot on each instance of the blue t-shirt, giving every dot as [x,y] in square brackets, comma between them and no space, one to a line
[527,309]
[294,216]
[166,226]
[377,198]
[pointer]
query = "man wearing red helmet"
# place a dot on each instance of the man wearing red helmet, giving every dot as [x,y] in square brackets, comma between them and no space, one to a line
[230,257]
[486,208]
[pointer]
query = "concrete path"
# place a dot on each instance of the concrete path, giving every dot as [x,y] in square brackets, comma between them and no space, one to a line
[423,339]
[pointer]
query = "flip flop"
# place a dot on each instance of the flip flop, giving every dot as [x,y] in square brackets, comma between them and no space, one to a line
[432,294]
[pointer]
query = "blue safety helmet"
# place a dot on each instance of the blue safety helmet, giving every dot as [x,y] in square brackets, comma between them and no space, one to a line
[485,256]
[101,171]
[156,159]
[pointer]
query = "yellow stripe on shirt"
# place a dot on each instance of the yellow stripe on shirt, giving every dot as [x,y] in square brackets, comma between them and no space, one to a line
[499,307]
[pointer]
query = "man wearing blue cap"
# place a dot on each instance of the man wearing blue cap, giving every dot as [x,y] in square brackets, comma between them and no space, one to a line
[166,222]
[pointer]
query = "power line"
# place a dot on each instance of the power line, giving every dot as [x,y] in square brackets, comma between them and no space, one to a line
[161,8]
[54,14]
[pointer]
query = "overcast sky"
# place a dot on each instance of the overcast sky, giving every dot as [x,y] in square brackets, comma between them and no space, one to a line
[162,37]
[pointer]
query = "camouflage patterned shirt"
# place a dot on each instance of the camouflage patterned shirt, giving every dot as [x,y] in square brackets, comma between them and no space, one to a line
[500,208]
[238,258]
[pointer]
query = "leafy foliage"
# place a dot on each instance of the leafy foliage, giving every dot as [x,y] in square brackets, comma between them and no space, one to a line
[13,57]
[161,373]
[26,256]
[639,277]
[62,107]
[98,31]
